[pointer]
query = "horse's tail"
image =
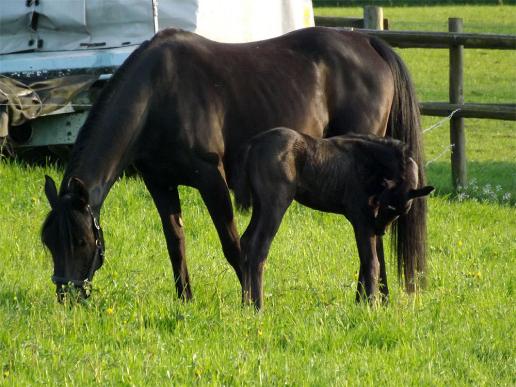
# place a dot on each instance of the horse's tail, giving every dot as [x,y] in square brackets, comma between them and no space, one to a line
[409,231]
[241,186]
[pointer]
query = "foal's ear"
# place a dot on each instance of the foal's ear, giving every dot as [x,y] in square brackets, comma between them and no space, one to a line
[51,191]
[78,189]
[416,193]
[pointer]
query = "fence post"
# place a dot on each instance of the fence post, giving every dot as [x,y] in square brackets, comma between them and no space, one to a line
[457,137]
[373,17]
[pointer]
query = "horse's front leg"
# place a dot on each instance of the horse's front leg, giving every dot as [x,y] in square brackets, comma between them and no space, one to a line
[167,202]
[384,289]
[369,265]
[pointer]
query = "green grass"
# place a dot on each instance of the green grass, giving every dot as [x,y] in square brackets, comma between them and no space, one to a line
[133,331]
[479,19]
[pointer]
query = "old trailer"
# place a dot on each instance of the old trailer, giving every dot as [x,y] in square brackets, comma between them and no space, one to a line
[56,55]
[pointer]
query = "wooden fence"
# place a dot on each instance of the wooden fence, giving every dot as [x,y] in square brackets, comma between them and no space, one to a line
[454,40]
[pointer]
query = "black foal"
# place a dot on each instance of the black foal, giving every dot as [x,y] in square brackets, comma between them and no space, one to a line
[370,180]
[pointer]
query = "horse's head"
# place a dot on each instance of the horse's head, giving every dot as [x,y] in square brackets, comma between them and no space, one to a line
[72,234]
[396,197]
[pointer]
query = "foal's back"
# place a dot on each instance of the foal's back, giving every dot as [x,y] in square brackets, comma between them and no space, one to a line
[324,174]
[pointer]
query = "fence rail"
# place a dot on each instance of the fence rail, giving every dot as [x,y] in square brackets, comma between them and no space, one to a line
[470,110]
[415,39]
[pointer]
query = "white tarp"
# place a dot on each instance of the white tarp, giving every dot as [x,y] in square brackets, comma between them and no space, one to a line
[57,25]
[249,20]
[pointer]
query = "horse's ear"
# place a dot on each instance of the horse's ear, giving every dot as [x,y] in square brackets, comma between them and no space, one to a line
[416,193]
[51,191]
[78,189]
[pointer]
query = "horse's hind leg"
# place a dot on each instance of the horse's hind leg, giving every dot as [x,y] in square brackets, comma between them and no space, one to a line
[215,194]
[169,209]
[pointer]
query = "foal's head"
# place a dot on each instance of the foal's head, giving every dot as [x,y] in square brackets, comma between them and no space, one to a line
[72,234]
[397,195]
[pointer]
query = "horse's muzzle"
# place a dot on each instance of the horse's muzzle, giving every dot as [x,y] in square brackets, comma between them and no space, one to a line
[71,292]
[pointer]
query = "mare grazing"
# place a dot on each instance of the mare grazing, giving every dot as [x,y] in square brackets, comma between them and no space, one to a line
[370,180]
[182,107]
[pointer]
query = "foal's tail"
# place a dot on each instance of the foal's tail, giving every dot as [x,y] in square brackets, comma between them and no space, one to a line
[409,232]
[241,186]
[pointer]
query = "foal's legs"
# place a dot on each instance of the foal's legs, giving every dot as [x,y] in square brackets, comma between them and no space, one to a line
[384,289]
[167,203]
[369,264]
[256,242]
[215,194]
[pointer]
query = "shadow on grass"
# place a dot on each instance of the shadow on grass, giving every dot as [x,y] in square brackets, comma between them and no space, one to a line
[164,323]
[489,181]
[55,156]
[49,156]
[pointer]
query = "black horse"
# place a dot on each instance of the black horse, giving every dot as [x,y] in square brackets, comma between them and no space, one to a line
[181,108]
[370,180]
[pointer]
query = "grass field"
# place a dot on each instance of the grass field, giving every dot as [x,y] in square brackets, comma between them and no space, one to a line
[133,331]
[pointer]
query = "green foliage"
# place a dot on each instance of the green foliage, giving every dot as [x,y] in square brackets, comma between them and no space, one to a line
[133,331]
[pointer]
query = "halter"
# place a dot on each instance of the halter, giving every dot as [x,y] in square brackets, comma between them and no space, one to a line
[99,254]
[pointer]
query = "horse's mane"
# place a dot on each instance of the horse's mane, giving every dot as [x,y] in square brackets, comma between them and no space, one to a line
[102,105]
[102,102]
